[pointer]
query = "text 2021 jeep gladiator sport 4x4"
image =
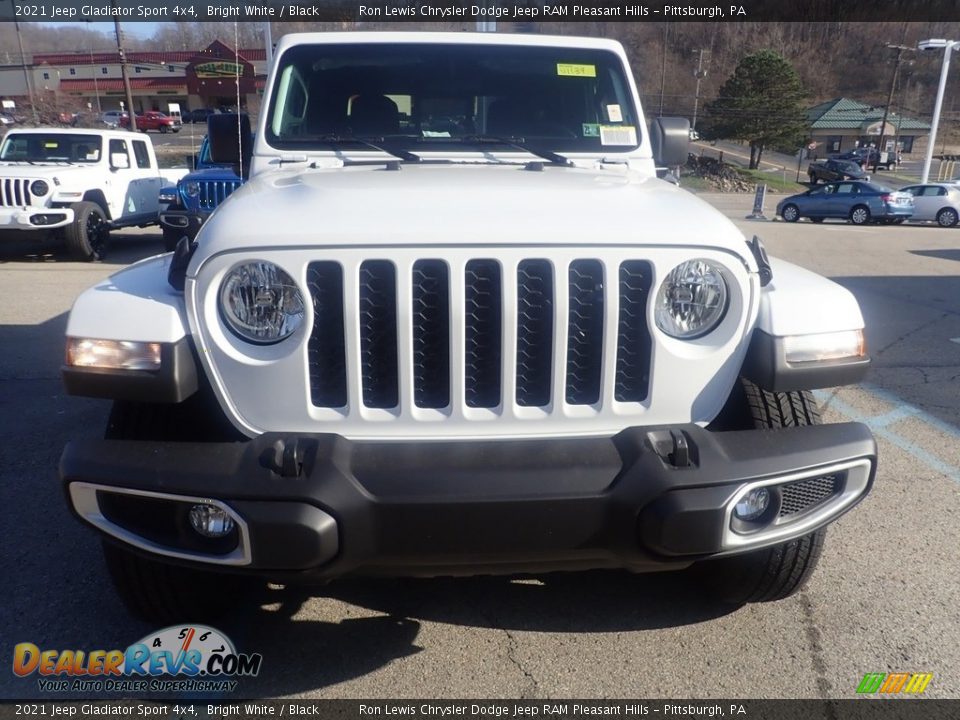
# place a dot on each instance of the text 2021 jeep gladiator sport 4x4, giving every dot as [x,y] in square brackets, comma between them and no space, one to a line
[454,324]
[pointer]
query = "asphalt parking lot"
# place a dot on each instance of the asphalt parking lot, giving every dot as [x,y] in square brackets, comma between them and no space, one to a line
[883,600]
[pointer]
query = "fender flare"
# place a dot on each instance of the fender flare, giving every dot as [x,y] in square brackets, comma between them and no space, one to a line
[800,302]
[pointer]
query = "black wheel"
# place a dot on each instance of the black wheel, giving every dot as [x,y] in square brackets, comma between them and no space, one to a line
[171,238]
[791,213]
[860,215]
[947,217]
[88,236]
[813,179]
[899,221]
[776,572]
[152,589]
[816,220]
[164,129]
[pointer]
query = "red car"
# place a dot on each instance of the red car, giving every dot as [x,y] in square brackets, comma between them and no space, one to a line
[152,120]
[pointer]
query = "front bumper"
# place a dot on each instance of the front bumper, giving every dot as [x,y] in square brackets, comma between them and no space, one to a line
[187,222]
[318,506]
[34,218]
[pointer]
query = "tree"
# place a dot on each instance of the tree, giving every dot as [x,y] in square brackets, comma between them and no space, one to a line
[762,103]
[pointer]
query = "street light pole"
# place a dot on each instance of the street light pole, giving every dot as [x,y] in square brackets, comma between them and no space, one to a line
[948,47]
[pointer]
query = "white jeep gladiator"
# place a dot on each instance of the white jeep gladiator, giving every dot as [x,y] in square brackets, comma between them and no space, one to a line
[78,184]
[455,324]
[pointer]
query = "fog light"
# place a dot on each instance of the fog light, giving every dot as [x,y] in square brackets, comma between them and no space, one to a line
[753,504]
[113,354]
[823,347]
[211,520]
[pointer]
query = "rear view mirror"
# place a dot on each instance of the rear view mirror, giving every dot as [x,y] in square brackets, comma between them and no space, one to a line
[229,138]
[670,141]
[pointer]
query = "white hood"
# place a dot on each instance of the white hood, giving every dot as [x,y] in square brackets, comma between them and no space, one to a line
[476,204]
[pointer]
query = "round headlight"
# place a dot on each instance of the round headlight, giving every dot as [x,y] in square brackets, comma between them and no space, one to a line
[39,188]
[691,300]
[192,189]
[261,303]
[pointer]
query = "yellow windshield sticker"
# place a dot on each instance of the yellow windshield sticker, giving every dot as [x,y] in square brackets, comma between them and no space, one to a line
[51,145]
[574,70]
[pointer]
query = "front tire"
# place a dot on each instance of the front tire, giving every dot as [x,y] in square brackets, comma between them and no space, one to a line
[150,588]
[776,572]
[88,236]
[791,213]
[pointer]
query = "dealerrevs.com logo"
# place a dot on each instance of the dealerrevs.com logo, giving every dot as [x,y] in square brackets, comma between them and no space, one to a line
[176,659]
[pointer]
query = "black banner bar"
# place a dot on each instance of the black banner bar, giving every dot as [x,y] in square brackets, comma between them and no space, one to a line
[225,708]
[477,10]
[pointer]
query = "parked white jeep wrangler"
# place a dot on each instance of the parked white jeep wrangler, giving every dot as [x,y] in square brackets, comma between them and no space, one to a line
[80,183]
[454,324]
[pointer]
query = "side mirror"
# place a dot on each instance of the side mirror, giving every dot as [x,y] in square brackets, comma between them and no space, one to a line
[670,140]
[119,161]
[230,139]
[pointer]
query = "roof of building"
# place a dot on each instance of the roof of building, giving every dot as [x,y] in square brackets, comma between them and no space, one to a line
[846,114]
[153,58]
[111,84]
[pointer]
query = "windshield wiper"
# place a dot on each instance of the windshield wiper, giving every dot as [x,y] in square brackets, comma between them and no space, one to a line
[404,155]
[517,143]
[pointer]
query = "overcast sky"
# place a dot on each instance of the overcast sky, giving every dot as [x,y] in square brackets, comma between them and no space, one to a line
[134,29]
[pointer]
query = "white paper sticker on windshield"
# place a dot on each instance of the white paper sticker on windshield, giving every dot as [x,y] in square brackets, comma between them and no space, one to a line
[614,114]
[618,135]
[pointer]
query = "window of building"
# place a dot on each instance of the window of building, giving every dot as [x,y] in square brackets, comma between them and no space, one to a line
[137,69]
[833,143]
[140,150]
[906,143]
[103,71]
[46,76]
[170,68]
[73,71]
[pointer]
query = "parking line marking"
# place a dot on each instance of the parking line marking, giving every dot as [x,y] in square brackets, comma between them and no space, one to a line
[879,423]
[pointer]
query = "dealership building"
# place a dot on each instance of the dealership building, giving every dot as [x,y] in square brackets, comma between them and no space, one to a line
[207,78]
[842,124]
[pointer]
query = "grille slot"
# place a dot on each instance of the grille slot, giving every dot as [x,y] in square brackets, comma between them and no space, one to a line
[633,336]
[15,192]
[534,332]
[214,192]
[378,334]
[483,321]
[804,495]
[431,334]
[585,332]
[326,353]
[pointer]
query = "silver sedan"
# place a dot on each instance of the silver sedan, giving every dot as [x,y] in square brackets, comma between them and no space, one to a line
[935,202]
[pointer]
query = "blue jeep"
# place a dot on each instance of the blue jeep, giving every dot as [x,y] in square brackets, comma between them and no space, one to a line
[197,195]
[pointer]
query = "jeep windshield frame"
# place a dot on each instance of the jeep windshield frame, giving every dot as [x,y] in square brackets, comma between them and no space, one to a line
[409,96]
[51,147]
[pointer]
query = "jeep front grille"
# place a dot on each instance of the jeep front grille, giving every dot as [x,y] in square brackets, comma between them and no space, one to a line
[438,335]
[214,192]
[15,192]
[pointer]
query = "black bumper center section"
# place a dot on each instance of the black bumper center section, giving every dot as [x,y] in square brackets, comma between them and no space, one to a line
[465,507]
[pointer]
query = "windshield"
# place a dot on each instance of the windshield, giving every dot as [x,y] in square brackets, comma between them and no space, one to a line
[51,147]
[416,96]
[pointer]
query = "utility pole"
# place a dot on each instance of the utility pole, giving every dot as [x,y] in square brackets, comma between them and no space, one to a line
[700,73]
[26,77]
[123,71]
[886,108]
[663,65]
